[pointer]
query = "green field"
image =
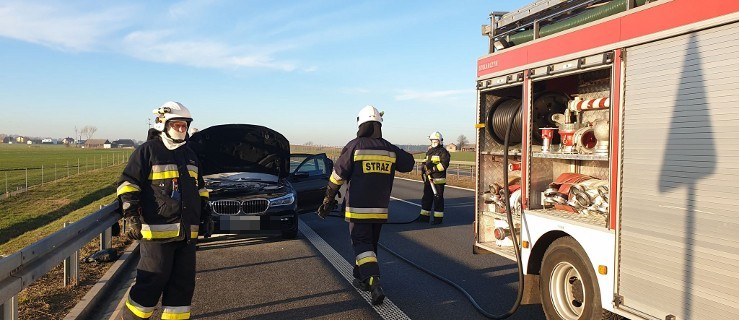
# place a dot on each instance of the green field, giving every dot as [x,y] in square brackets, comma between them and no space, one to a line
[28,165]
[32,215]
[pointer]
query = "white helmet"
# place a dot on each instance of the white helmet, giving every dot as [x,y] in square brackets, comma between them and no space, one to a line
[168,111]
[436,135]
[369,113]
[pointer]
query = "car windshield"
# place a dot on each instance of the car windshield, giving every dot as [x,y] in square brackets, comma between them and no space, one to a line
[242,176]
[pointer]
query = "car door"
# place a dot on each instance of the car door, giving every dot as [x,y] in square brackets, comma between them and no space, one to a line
[309,177]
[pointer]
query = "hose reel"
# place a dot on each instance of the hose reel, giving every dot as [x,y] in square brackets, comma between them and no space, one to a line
[545,105]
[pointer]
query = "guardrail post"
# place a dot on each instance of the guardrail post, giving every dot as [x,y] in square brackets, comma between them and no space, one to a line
[71,266]
[106,238]
[9,309]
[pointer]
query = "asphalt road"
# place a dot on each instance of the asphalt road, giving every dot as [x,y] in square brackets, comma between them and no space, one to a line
[264,277]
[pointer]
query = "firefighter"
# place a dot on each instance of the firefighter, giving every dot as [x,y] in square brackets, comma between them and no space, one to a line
[367,166]
[434,168]
[164,201]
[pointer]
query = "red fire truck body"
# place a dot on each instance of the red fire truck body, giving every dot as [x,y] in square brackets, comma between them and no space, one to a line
[623,203]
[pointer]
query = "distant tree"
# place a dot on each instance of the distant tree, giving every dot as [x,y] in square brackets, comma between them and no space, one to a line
[88,131]
[461,140]
[309,143]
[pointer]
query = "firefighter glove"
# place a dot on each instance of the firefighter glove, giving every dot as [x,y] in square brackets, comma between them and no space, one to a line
[133,228]
[129,208]
[326,207]
[429,166]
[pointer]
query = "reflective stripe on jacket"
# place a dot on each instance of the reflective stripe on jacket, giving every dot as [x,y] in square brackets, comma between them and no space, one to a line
[440,158]
[164,186]
[369,166]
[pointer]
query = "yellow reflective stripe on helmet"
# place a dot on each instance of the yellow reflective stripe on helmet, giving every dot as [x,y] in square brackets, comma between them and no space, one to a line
[440,167]
[176,313]
[139,310]
[204,193]
[336,179]
[127,187]
[160,231]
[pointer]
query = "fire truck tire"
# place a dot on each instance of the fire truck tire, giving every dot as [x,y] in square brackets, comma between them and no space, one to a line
[569,287]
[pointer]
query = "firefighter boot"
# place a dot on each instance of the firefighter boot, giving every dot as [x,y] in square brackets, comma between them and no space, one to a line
[424,216]
[361,285]
[376,293]
[437,220]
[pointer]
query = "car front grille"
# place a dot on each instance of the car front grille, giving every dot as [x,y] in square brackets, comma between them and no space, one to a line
[234,207]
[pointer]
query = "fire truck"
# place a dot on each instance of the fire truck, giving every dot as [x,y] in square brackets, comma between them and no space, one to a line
[621,163]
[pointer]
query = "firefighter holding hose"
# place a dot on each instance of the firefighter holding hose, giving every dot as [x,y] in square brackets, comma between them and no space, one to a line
[433,173]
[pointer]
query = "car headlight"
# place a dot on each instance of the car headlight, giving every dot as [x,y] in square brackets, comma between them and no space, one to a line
[282,201]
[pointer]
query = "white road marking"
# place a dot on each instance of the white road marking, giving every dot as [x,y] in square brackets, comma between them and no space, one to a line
[387,310]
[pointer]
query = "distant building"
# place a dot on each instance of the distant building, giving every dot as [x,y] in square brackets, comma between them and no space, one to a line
[96,143]
[68,140]
[49,141]
[20,139]
[451,147]
[123,143]
[7,139]
[468,147]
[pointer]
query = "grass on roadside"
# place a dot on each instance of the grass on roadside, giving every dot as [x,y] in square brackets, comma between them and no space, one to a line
[42,210]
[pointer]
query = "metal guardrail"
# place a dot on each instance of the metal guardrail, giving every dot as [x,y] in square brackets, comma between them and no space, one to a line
[19,270]
[456,168]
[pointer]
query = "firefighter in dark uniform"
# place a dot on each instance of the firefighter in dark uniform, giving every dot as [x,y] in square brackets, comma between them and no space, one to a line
[367,165]
[434,167]
[164,201]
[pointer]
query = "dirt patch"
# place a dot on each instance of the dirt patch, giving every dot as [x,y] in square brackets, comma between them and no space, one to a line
[47,298]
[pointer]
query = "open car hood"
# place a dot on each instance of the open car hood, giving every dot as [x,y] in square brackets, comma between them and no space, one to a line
[241,148]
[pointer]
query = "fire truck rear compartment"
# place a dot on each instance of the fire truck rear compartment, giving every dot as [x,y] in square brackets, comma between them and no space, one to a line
[550,96]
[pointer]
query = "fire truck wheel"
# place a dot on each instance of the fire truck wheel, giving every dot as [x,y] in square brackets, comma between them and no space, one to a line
[569,288]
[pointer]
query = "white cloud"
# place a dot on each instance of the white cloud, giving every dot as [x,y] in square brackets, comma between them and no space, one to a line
[432,96]
[156,33]
[59,27]
[157,46]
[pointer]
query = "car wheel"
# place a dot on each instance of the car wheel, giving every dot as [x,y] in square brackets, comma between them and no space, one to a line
[569,287]
[292,232]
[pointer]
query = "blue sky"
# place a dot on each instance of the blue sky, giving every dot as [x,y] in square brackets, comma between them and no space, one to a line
[303,68]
